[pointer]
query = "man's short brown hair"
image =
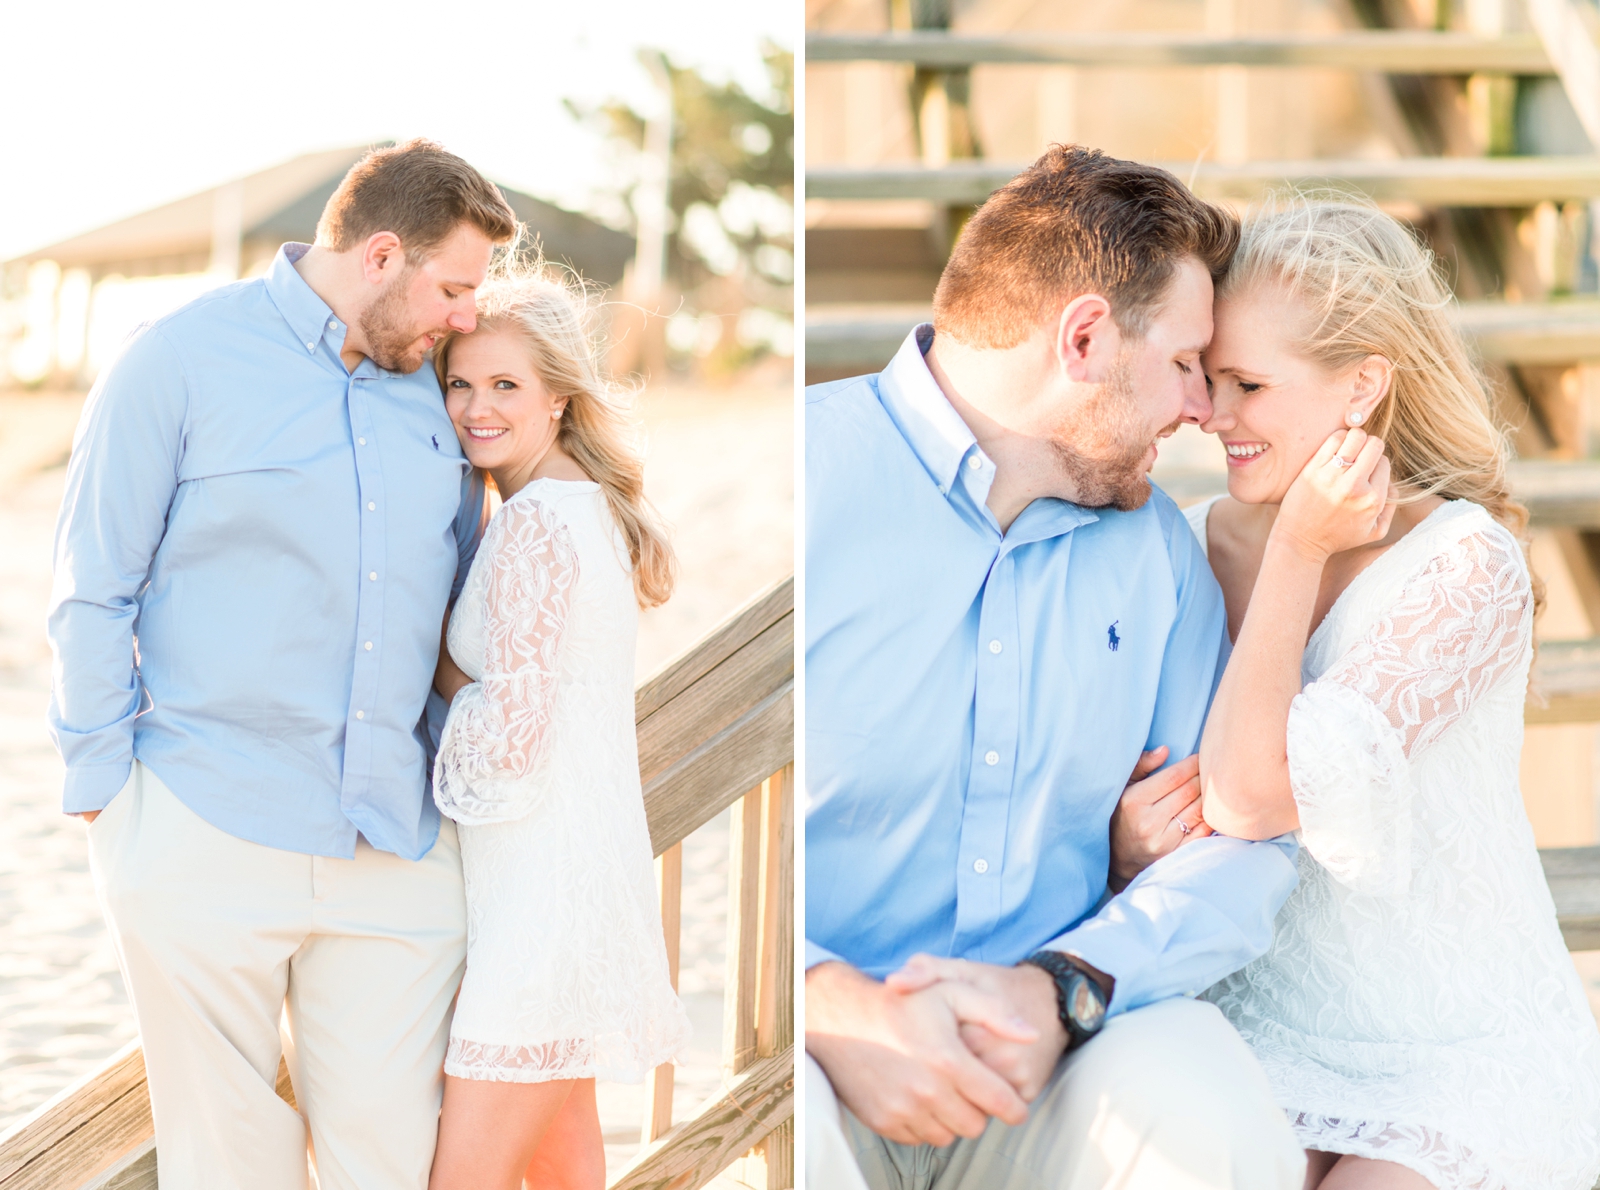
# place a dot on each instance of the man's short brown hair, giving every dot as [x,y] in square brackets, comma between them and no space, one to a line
[1075,222]
[419,192]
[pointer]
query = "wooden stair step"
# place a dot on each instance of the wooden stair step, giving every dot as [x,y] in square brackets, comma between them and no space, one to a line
[867,334]
[1431,181]
[1387,51]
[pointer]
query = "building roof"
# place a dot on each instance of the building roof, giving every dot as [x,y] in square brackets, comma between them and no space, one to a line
[283,203]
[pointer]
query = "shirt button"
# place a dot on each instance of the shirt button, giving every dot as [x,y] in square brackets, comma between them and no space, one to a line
[373,577]
[371,507]
[369,646]
[980,866]
[991,758]
[975,462]
[361,441]
[361,714]
[311,346]
[994,646]
[333,326]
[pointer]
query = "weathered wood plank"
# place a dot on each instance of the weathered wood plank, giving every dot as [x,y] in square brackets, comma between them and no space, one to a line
[701,1147]
[738,630]
[87,1127]
[741,989]
[866,335]
[659,1084]
[717,699]
[698,787]
[1432,181]
[1395,52]
[137,1171]
[1573,874]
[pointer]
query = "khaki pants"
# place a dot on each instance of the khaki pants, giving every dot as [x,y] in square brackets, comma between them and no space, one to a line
[1168,1097]
[217,936]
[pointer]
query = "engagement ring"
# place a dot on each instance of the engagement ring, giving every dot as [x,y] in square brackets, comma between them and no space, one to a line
[1341,461]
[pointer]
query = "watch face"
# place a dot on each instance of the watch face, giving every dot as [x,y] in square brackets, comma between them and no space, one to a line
[1085,1006]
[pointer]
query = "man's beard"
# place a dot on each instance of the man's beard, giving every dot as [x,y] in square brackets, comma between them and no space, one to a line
[391,343]
[1106,462]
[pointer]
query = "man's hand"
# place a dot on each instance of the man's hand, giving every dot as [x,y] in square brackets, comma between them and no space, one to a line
[1145,824]
[1026,1065]
[897,1060]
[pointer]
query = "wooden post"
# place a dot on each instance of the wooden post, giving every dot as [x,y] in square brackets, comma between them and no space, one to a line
[775,1023]
[669,887]
[744,933]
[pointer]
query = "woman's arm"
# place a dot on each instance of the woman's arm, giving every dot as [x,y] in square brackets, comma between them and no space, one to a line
[1244,764]
[448,677]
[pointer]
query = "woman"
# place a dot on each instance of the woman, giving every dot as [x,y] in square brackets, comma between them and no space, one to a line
[566,965]
[1417,1015]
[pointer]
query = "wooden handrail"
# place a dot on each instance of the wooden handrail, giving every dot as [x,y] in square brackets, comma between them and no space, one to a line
[712,723]
[1388,51]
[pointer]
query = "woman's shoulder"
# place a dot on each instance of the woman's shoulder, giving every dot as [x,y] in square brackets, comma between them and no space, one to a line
[1198,516]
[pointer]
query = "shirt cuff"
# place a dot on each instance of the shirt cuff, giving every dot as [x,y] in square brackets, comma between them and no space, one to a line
[816,955]
[92,786]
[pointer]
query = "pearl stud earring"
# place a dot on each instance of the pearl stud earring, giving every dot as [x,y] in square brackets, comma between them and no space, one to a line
[1356,418]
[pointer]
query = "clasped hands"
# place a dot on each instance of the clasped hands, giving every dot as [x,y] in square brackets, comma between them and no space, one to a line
[942,1045]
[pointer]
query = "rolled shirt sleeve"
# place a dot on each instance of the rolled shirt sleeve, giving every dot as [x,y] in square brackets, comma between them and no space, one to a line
[120,485]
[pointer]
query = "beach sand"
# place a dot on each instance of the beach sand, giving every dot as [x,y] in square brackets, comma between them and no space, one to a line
[721,471]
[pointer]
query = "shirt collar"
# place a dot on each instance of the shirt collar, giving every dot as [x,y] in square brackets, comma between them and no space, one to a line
[948,448]
[310,318]
[927,420]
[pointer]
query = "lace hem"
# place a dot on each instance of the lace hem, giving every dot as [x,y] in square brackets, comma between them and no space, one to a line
[567,1058]
[1445,1162]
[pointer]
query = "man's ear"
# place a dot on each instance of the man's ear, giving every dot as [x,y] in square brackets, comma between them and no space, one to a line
[381,257]
[1087,339]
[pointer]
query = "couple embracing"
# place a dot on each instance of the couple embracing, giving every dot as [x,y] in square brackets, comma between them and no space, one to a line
[1308,942]
[277,505]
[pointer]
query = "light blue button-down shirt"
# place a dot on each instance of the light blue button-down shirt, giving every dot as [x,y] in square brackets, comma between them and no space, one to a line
[252,563]
[975,701]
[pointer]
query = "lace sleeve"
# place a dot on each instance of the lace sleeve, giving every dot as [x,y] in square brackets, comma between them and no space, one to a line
[499,726]
[1458,629]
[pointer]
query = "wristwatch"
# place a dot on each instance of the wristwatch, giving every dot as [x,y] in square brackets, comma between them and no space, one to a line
[1079,1000]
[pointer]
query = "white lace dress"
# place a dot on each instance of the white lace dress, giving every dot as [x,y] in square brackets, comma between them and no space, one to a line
[566,964]
[1418,1004]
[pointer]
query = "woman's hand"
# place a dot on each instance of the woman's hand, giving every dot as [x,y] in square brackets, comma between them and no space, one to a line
[1340,501]
[1157,814]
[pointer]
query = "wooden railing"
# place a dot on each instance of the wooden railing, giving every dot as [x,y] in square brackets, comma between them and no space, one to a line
[716,729]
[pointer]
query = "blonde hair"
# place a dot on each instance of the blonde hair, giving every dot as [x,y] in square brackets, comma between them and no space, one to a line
[1368,287]
[555,315]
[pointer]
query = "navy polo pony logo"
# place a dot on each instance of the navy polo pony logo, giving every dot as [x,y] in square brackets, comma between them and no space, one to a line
[435,442]
[1112,639]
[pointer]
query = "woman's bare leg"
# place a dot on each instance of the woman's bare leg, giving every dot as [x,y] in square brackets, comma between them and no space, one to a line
[1318,1164]
[572,1155]
[488,1131]
[1363,1173]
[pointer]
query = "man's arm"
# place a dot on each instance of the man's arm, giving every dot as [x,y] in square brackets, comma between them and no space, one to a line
[120,484]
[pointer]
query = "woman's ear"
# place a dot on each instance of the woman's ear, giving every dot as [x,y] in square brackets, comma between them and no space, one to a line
[1369,385]
[559,406]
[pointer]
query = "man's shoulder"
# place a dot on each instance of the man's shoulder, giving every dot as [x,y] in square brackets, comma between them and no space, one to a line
[237,300]
[841,398]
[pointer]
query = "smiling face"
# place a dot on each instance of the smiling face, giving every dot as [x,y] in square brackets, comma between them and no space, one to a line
[1271,406]
[505,416]
[415,308]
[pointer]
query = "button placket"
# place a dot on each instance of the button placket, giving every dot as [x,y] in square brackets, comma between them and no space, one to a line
[364,685]
[996,713]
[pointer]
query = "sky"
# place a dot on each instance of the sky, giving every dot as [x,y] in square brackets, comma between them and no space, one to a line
[112,108]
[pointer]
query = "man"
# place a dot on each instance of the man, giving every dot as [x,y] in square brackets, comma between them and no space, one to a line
[1001,615]
[265,512]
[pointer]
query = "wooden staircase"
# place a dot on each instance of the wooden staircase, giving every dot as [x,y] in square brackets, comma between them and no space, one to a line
[716,730]
[867,287]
